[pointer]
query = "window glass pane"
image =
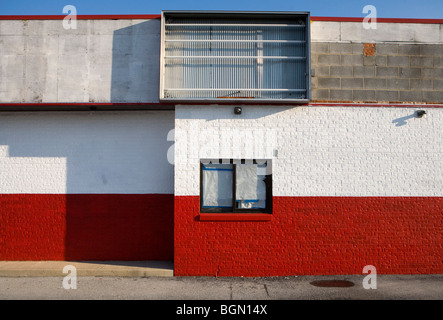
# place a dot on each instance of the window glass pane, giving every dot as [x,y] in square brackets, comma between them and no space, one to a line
[248,57]
[250,186]
[217,185]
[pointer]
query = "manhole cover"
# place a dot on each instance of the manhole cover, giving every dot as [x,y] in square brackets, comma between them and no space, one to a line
[332,283]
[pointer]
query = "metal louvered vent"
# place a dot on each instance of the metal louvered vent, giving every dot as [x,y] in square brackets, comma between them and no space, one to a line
[235,56]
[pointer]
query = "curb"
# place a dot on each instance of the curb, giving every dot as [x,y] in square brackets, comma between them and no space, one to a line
[87,268]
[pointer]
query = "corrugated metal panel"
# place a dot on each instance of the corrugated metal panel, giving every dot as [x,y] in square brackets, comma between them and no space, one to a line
[245,58]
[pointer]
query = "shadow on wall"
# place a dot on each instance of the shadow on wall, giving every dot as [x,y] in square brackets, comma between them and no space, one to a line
[136,63]
[404,120]
[92,185]
[86,186]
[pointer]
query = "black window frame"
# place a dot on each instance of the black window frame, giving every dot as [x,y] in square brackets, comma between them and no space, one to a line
[267,180]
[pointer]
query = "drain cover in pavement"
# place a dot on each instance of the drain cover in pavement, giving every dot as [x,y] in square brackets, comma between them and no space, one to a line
[332,283]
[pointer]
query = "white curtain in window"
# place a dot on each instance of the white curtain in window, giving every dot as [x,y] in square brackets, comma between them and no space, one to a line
[250,186]
[217,185]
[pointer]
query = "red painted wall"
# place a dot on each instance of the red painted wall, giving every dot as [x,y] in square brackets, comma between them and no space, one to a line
[86,226]
[314,236]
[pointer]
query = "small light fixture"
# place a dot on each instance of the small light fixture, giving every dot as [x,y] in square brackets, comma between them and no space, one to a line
[420,113]
[237,110]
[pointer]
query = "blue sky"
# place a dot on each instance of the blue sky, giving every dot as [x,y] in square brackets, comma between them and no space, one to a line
[425,9]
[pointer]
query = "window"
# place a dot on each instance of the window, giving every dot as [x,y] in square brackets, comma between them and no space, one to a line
[236,186]
[235,56]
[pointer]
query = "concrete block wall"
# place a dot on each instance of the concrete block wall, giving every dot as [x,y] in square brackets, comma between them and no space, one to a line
[391,73]
[107,60]
[392,63]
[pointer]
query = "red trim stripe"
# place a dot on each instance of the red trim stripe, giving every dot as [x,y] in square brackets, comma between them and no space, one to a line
[235,217]
[381,20]
[84,104]
[159,104]
[157,16]
[81,17]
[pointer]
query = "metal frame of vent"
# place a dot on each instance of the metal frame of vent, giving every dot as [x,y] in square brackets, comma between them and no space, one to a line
[220,39]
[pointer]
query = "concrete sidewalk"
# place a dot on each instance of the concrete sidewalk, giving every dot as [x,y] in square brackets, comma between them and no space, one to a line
[389,287]
[87,268]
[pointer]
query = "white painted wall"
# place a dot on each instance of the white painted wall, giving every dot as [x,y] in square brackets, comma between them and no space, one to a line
[86,152]
[322,151]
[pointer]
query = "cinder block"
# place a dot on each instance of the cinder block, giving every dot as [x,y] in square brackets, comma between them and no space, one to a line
[381,60]
[422,62]
[410,73]
[386,72]
[369,60]
[398,61]
[432,50]
[420,84]
[374,83]
[357,48]
[328,59]
[352,83]
[411,96]
[321,71]
[398,84]
[433,96]
[320,47]
[320,94]
[409,49]
[364,71]
[352,60]
[314,82]
[438,62]
[329,83]
[432,73]
[363,95]
[438,84]
[383,48]
[341,71]
[387,95]
[340,48]
[314,59]
[341,95]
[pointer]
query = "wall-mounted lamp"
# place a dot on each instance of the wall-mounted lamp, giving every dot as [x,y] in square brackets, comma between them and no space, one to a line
[420,113]
[237,110]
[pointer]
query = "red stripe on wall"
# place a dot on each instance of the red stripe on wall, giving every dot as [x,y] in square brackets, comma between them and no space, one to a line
[314,236]
[82,17]
[86,226]
[157,16]
[381,20]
